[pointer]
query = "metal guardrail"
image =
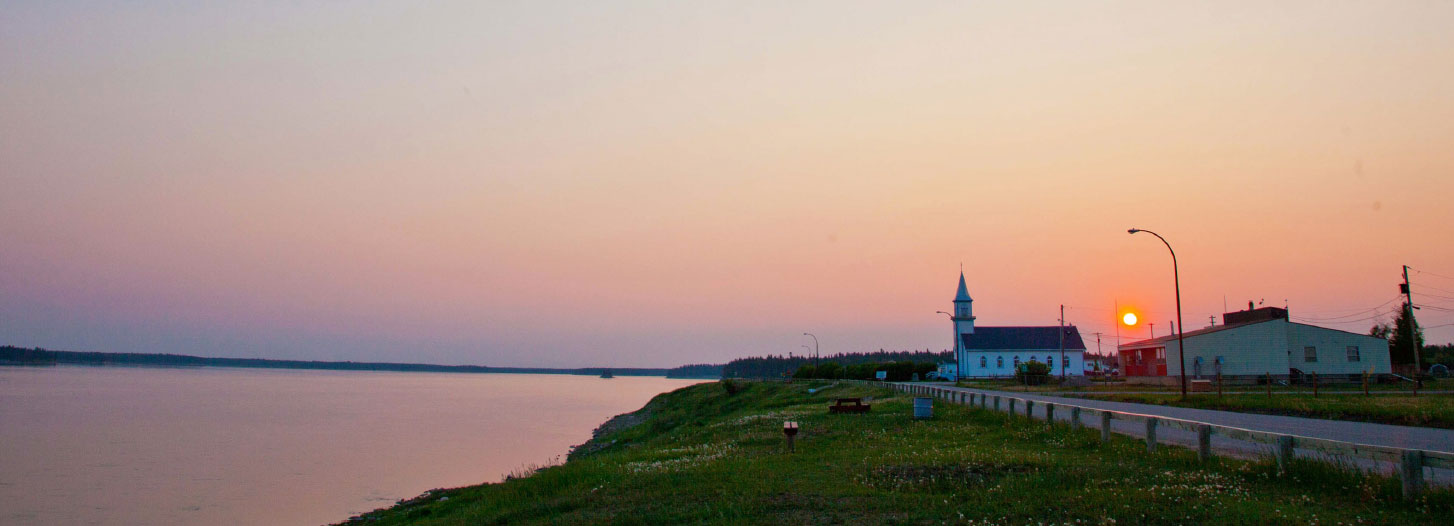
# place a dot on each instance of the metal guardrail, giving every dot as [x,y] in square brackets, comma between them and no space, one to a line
[1410,462]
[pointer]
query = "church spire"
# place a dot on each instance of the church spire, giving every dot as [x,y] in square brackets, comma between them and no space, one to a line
[963,294]
[963,308]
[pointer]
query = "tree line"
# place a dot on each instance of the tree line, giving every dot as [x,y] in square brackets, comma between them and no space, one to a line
[784,366]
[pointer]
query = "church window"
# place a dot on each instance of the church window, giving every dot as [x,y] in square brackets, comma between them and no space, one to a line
[983,362]
[1017,362]
[1000,362]
[1050,360]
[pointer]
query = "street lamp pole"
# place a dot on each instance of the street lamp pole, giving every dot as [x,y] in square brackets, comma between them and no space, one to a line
[958,360]
[815,348]
[1176,275]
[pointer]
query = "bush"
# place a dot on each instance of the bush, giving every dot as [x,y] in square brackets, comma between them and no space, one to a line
[1032,373]
[731,386]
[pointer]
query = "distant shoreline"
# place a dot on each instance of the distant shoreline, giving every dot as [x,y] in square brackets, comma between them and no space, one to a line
[19,356]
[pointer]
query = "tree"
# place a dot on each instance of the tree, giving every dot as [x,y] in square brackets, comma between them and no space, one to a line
[1400,350]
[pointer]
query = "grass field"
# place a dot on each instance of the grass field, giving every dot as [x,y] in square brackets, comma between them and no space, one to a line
[703,456]
[1427,410]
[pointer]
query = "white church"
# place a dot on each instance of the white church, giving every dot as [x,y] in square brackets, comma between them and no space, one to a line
[985,352]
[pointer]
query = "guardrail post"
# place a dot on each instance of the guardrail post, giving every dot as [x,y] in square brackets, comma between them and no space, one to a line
[1075,417]
[1029,406]
[1049,414]
[1105,426]
[1411,473]
[1012,407]
[1151,434]
[997,403]
[1204,442]
[1284,453]
[984,400]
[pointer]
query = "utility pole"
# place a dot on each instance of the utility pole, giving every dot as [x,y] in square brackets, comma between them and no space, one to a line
[1151,325]
[1117,323]
[1062,343]
[1413,331]
[1100,360]
[1212,319]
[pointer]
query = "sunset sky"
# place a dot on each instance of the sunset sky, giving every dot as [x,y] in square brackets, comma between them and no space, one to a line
[657,183]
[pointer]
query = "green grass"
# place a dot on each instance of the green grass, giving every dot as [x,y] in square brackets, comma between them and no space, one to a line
[703,456]
[1427,410]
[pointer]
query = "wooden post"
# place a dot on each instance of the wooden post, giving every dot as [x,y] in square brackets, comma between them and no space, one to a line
[997,403]
[1049,414]
[1075,417]
[1105,426]
[1012,407]
[1411,473]
[1315,384]
[1151,434]
[1029,407]
[1219,385]
[1284,453]
[1365,383]
[1204,442]
[1269,385]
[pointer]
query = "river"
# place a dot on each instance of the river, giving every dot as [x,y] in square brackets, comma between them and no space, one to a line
[117,445]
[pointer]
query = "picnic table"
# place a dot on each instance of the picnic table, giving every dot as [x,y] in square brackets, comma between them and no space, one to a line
[849,405]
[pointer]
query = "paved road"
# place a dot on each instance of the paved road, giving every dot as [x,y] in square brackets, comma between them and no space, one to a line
[1424,438]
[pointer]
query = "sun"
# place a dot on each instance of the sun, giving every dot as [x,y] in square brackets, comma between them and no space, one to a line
[1129,319]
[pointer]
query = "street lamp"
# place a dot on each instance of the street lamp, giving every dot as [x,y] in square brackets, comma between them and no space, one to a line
[958,360]
[815,348]
[1176,275]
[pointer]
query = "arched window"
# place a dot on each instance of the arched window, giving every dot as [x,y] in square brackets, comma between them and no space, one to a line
[1017,362]
[1000,362]
[983,362]
[1050,360]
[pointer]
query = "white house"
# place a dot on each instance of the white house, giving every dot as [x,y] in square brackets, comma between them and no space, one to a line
[1254,343]
[996,351]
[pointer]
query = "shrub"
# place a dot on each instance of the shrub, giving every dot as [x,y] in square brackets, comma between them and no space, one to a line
[731,386]
[1032,373]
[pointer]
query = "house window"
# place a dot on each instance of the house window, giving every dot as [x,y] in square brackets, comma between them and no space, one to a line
[1050,360]
[1353,355]
[983,362]
[1000,362]
[1017,362]
[1310,354]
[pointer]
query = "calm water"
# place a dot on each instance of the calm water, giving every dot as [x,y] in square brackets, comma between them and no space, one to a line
[240,446]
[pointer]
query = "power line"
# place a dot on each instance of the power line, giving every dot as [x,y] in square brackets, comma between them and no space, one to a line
[1362,312]
[1431,273]
[1357,311]
[1339,322]
[1421,286]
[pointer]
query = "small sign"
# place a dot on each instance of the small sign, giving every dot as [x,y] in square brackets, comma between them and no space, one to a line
[881,375]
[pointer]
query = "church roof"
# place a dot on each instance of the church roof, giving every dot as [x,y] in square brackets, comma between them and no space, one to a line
[1021,339]
[963,294]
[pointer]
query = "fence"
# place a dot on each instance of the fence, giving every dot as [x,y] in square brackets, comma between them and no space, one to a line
[1410,462]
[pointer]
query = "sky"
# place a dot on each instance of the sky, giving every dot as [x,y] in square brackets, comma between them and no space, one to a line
[649,184]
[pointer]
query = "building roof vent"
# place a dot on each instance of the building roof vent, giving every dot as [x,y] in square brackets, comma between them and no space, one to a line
[1251,315]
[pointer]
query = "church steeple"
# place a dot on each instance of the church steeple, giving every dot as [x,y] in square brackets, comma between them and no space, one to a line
[963,308]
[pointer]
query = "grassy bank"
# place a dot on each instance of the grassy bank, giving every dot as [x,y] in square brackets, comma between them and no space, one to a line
[704,455]
[1427,410]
